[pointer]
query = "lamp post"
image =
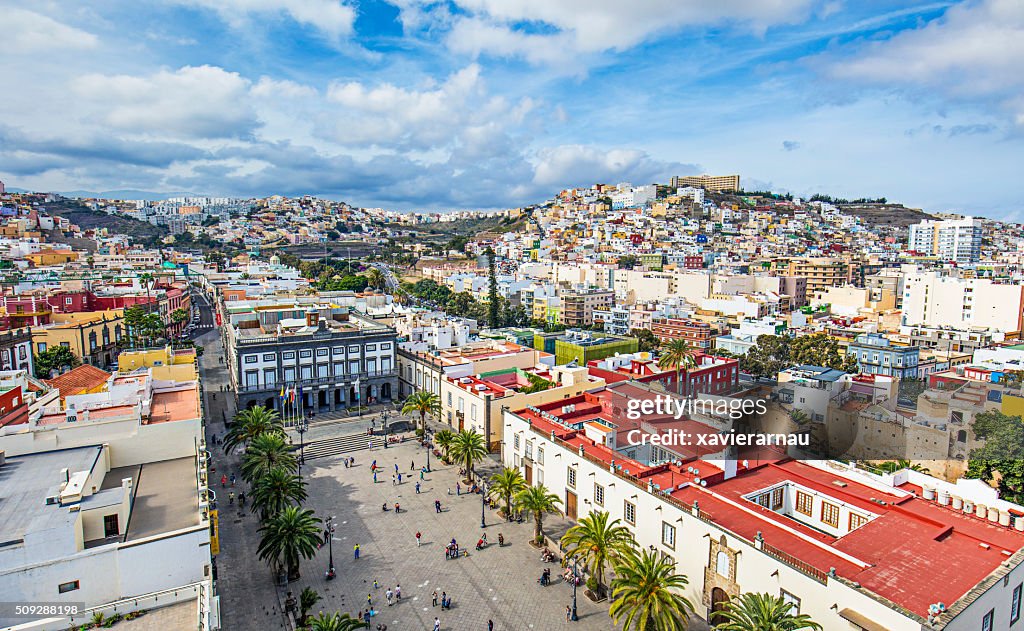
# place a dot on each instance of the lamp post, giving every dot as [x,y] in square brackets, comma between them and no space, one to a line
[575,580]
[426,443]
[301,425]
[329,531]
[483,504]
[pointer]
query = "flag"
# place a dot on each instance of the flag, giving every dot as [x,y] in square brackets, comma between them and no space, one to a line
[357,389]
[291,394]
[282,393]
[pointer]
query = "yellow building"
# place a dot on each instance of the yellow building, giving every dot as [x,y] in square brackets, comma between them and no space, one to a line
[44,258]
[167,363]
[708,182]
[93,336]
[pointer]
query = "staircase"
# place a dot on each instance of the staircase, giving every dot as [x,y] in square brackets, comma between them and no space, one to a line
[340,445]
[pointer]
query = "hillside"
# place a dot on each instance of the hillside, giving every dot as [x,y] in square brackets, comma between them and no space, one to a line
[886,214]
[88,219]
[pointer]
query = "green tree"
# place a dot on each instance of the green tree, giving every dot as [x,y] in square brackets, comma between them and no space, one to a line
[275,491]
[308,599]
[628,261]
[892,466]
[444,440]
[537,501]
[375,278]
[265,453]
[422,402]
[468,448]
[1000,459]
[820,349]
[768,356]
[763,612]
[56,358]
[250,423]
[335,622]
[647,341]
[505,484]
[595,541]
[492,288]
[646,593]
[289,536]
[134,318]
[676,354]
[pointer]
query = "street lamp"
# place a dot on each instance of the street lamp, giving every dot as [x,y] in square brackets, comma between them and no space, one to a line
[301,425]
[329,532]
[575,580]
[483,504]
[426,443]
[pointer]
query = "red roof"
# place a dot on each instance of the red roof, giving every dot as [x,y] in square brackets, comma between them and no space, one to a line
[78,380]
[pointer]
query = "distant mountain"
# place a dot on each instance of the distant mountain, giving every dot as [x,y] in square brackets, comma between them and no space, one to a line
[118,194]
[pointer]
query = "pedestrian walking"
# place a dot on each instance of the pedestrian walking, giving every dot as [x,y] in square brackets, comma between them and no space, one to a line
[375,477]
[421,473]
[366,618]
[389,595]
[437,506]
[223,481]
[396,467]
[568,613]
[417,488]
[412,465]
[437,624]
[355,552]
[458,489]
[393,478]
[398,592]
[433,599]
[399,478]
[397,509]
[418,536]
[490,625]
[444,600]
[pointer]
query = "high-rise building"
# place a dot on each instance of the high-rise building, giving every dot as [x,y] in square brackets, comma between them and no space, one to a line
[934,300]
[707,182]
[956,240]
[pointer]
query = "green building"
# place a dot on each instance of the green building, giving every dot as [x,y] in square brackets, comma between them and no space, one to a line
[583,346]
[653,262]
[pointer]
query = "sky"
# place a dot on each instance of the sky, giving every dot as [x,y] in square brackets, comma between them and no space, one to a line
[479,104]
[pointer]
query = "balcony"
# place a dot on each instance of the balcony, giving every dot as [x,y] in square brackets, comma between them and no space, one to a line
[314,382]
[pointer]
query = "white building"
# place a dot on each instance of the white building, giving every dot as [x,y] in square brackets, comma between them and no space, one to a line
[951,239]
[932,299]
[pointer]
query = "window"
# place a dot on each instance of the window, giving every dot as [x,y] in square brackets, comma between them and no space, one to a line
[856,521]
[722,564]
[515,442]
[804,502]
[386,346]
[269,376]
[830,514]
[570,477]
[269,357]
[41,347]
[322,352]
[251,359]
[70,586]
[67,301]
[110,527]
[1015,603]
[305,354]
[472,411]
[528,451]
[252,378]
[629,512]
[540,455]
[777,497]
[449,399]
[668,535]
[598,494]
[988,620]
[793,601]
[353,350]
[338,350]
[288,355]
[371,347]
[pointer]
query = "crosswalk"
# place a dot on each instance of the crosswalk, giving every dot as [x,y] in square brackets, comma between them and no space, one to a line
[340,445]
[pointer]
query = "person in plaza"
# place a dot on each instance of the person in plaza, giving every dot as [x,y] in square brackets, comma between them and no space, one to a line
[398,592]
[355,552]
[437,624]
[399,478]
[375,477]
[397,509]
[437,506]
[422,472]
[223,481]
[458,489]
[568,613]
[418,535]
[393,479]
[389,595]
[396,467]
[490,625]
[433,599]
[369,602]
[366,618]
[417,488]
[384,507]
[444,599]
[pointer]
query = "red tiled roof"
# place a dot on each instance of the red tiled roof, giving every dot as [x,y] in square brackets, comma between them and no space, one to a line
[78,380]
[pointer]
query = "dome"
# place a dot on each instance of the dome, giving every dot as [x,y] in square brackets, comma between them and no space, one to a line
[275,260]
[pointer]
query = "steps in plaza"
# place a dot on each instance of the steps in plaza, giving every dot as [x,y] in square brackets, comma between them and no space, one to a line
[339,445]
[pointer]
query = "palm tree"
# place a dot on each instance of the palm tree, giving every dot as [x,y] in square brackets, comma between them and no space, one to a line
[645,593]
[335,622]
[289,536]
[277,490]
[250,423]
[422,403]
[505,484]
[267,452]
[595,542]
[146,279]
[763,612]
[676,354]
[307,599]
[536,500]
[892,466]
[444,440]
[375,278]
[468,447]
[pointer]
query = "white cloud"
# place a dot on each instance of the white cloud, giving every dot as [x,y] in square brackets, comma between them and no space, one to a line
[191,102]
[572,165]
[332,17]
[268,88]
[973,53]
[27,32]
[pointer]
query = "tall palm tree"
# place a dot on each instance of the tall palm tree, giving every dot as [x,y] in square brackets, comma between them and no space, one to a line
[467,448]
[595,541]
[375,278]
[444,440]
[250,423]
[307,600]
[275,491]
[676,354]
[536,500]
[763,612]
[267,452]
[646,593]
[422,402]
[505,484]
[289,536]
[335,622]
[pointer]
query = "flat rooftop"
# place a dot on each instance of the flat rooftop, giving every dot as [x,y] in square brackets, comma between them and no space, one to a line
[177,405]
[166,499]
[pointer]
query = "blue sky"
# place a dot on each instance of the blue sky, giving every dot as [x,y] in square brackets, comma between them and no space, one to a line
[418,104]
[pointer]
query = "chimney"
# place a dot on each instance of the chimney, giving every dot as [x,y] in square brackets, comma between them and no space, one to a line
[312,318]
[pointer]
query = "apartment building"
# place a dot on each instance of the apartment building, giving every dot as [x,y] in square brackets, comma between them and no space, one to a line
[578,305]
[956,240]
[876,355]
[331,357]
[935,300]
[699,335]
[820,272]
[707,182]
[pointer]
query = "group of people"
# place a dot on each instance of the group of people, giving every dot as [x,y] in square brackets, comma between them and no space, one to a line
[446,600]
[451,551]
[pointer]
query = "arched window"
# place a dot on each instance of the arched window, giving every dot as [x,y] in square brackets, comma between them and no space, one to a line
[722,564]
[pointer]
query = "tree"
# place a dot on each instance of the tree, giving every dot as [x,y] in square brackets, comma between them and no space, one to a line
[289,536]
[275,491]
[820,349]
[767,357]
[308,598]
[444,440]
[763,612]
[505,485]
[133,318]
[467,448]
[647,341]
[1001,458]
[646,593]
[537,501]
[676,354]
[250,423]
[492,288]
[265,453]
[422,402]
[56,358]
[335,622]
[375,278]
[628,261]
[892,466]
[595,541]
